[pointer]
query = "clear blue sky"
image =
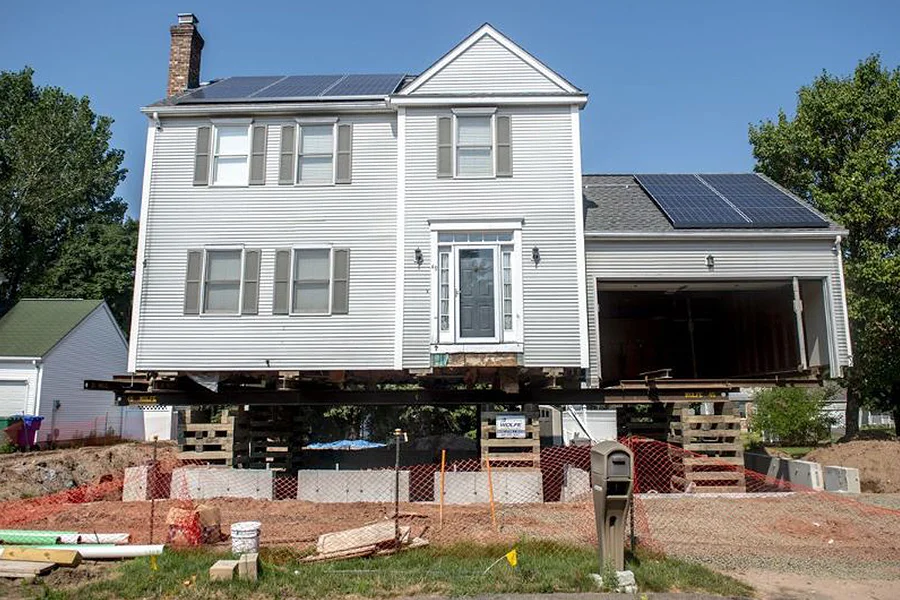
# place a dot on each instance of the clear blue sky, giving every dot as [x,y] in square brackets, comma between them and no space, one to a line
[673,84]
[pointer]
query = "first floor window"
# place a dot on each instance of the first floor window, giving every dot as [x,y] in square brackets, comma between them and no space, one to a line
[312,281]
[231,153]
[315,157]
[222,282]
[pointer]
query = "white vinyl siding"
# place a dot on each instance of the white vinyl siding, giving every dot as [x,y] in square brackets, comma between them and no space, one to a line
[315,155]
[231,155]
[93,350]
[360,217]
[622,260]
[488,68]
[474,146]
[541,194]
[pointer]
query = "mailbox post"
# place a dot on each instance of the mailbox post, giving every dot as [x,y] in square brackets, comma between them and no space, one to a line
[612,478]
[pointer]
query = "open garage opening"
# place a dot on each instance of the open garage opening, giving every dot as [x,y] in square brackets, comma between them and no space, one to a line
[712,329]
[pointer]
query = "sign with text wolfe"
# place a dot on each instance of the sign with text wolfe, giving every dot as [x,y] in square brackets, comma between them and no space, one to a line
[511,426]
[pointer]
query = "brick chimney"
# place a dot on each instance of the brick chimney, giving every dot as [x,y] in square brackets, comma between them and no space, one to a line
[184,55]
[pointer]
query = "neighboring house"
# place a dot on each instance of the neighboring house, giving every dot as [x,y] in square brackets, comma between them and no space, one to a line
[48,347]
[382,226]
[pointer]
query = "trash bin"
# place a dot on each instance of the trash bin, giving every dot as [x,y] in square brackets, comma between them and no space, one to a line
[8,428]
[28,433]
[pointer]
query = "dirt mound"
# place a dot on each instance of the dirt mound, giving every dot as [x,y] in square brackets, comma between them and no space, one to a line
[878,462]
[39,473]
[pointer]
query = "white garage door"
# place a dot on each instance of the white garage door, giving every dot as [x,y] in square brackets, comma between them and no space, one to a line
[13,395]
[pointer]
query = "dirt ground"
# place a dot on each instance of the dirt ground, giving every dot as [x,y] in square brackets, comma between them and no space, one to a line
[790,586]
[32,474]
[878,462]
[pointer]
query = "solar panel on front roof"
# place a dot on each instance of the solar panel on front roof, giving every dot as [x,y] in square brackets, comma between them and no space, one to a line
[227,89]
[366,85]
[762,202]
[298,86]
[688,203]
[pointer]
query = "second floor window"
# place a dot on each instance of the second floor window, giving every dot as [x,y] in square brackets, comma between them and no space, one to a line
[315,154]
[474,146]
[231,153]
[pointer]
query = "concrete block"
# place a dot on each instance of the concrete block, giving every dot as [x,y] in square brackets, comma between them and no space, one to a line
[510,487]
[223,570]
[806,473]
[222,482]
[799,472]
[248,566]
[351,486]
[842,479]
[145,482]
[576,485]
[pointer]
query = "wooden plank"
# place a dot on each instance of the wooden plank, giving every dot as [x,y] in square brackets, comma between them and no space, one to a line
[192,455]
[711,433]
[377,533]
[506,443]
[713,447]
[24,569]
[711,419]
[714,475]
[723,489]
[66,558]
[511,456]
[713,460]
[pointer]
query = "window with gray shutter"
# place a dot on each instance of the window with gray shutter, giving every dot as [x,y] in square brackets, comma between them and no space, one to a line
[344,153]
[201,156]
[280,301]
[445,147]
[504,147]
[286,155]
[250,300]
[258,156]
[192,282]
[340,290]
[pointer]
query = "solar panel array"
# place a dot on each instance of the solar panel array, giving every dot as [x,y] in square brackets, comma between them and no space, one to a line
[269,88]
[734,201]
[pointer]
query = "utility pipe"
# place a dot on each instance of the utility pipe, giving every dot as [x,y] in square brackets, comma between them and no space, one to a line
[95,538]
[106,551]
[31,536]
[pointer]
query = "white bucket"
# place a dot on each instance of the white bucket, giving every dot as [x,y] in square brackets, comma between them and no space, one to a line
[245,537]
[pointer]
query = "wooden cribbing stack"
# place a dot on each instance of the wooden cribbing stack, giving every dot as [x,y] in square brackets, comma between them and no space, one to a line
[511,453]
[714,457]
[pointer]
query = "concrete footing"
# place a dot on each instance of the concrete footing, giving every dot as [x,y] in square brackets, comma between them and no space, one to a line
[221,482]
[799,472]
[145,482]
[842,479]
[351,486]
[576,485]
[510,487]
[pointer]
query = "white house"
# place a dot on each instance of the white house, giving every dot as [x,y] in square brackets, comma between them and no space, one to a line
[48,347]
[388,226]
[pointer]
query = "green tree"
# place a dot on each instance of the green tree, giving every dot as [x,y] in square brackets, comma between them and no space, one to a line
[841,152]
[793,416]
[58,176]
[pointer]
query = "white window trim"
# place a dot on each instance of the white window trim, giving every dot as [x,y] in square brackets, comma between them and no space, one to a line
[493,159]
[450,340]
[206,251]
[291,311]
[216,124]
[298,138]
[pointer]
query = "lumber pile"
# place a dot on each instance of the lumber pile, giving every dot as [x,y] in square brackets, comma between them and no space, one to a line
[377,539]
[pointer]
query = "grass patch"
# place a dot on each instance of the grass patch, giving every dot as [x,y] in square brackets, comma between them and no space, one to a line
[447,570]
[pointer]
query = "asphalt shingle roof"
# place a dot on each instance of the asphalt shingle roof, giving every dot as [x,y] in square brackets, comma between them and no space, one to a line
[617,203]
[34,326]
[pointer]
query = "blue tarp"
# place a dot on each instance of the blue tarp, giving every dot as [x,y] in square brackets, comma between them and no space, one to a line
[344,445]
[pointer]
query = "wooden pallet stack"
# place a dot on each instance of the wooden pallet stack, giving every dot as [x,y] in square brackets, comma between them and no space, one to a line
[644,420]
[713,460]
[267,437]
[511,453]
[208,436]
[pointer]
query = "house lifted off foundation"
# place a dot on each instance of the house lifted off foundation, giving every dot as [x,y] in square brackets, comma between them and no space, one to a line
[430,239]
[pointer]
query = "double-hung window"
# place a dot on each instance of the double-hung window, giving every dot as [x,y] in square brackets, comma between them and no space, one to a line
[474,146]
[222,282]
[315,154]
[311,293]
[231,155]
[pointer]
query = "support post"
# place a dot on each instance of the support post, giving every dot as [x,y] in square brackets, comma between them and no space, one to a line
[487,461]
[798,316]
[443,470]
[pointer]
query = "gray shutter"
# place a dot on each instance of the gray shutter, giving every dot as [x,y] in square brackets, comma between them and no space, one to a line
[201,156]
[282,282]
[340,283]
[192,279]
[504,147]
[445,147]
[344,152]
[250,301]
[287,159]
[258,156]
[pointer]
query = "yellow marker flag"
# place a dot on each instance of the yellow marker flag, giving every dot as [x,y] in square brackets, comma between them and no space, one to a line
[153,565]
[512,557]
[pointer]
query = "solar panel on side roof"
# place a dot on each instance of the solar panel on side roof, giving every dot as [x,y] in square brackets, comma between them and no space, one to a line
[762,202]
[688,203]
[233,88]
[366,85]
[299,86]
